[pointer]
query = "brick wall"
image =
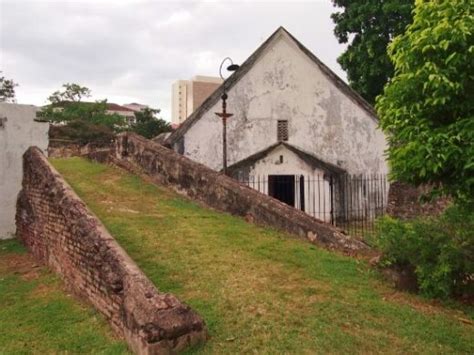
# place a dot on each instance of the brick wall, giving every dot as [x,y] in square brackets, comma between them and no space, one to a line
[61,232]
[195,180]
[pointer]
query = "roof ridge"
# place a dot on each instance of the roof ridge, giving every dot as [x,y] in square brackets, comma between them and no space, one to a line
[305,155]
[247,65]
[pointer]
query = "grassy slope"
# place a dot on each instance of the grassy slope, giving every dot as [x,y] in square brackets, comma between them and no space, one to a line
[258,289]
[36,315]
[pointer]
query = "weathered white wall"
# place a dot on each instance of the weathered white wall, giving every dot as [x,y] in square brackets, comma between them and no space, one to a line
[316,188]
[285,84]
[17,133]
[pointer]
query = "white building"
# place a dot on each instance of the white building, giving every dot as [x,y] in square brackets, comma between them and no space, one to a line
[188,95]
[294,121]
[18,131]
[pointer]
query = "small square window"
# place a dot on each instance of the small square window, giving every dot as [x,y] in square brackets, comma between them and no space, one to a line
[282,130]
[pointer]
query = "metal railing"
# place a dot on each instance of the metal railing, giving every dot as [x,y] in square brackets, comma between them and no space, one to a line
[350,202]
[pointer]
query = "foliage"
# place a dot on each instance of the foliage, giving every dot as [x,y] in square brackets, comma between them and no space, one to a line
[81,122]
[260,290]
[440,250]
[369,25]
[90,112]
[148,125]
[7,89]
[72,92]
[427,110]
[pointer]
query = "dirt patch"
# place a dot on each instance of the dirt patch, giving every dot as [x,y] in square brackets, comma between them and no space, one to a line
[426,306]
[44,290]
[20,264]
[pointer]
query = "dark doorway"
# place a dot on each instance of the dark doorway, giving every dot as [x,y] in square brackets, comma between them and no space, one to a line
[282,187]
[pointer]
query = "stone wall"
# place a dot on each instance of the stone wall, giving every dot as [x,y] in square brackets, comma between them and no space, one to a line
[56,150]
[195,180]
[61,232]
[404,202]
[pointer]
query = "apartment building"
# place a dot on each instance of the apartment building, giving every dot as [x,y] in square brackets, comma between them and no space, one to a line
[188,95]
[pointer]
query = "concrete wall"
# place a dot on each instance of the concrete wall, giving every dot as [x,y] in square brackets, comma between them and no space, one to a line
[199,90]
[285,84]
[61,232]
[18,131]
[188,95]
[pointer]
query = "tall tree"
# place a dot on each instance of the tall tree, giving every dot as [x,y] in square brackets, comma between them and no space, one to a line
[368,26]
[71,92]
[148,125]
[77,121]
[7,89]
[427,109]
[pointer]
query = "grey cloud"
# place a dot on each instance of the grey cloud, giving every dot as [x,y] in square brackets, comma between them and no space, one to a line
[133,51]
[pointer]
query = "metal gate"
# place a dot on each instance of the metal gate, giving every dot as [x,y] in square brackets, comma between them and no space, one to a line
[350,202]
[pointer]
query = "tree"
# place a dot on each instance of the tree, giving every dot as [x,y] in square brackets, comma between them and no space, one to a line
[427,109]
[72,92]
[368,26]
[80,122]
[7,89]
[148,125]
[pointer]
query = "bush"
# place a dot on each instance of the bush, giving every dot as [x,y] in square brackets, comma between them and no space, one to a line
[440,250]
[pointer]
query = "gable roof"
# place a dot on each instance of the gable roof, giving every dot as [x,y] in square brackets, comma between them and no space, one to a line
[247,65]
[109,105]
[305,156]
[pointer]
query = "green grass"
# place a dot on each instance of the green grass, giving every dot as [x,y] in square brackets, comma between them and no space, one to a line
[259,290]
[37,316]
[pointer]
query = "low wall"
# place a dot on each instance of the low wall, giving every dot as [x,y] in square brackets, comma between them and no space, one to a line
[197,181]
[99,152]
[404,202]
[61,232]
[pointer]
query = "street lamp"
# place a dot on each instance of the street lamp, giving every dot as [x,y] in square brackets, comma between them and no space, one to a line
[224,115]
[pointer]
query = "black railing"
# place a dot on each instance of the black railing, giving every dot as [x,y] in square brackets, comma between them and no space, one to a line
[350,202]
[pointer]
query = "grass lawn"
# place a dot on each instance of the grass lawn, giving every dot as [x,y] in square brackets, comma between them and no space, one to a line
[38,317]
[258,289]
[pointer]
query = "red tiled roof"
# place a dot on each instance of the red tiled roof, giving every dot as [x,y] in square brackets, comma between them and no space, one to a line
[117,107]
[110,106]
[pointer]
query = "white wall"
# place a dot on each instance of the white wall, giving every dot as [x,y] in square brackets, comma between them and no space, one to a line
[285,84]
[19,132]
[316,189]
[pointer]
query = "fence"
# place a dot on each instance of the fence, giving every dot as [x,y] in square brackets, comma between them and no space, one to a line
[350,202]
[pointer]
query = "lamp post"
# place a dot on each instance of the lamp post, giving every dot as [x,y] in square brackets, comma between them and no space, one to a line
[224,114]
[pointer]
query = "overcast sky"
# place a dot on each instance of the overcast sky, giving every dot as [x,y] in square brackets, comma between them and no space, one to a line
[132,51]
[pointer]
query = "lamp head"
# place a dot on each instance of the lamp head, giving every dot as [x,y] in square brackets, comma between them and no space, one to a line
[233,67]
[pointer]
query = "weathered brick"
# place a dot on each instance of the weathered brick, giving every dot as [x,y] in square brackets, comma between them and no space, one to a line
[60,231]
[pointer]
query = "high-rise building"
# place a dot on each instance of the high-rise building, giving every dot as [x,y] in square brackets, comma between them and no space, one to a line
[188,95]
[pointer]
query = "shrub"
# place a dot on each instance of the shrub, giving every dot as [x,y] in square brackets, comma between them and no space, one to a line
[440,250]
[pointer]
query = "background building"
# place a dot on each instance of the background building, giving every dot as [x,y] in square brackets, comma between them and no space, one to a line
[188,95]
[135,106]
[298,133]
